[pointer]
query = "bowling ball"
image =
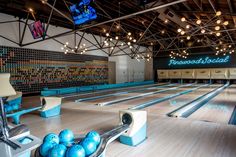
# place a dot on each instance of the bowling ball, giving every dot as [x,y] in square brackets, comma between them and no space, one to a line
[52,138]
[45,148]
[94,136]
[75,151]
[58,151]
[89,146]
[66,136]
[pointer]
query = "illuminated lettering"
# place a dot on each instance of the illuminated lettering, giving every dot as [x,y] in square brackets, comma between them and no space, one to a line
[200,61]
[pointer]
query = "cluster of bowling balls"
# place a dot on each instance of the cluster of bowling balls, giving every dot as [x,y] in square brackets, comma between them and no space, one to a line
[64,144]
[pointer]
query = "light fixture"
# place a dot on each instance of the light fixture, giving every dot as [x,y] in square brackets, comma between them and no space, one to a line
[31,10]
[76,47]
[188,37]
[183,19]
[105,41]
[181,40]
[221,42]
[218,34]
[187,26]
[131,47]
[112,48]
[218,21]
[166,21]
[106,44]
[134,40]
[198,40]
[129,43]
[111,39]
[151,43]
[226,23]
[179,30]
[162,32]
[140,34]
[65,52]
[203,31]
[182,32]
[198,21]
[104,30]
[65,46]
[122,44]
[129,34]
[218,13]
[130,38]
[230,46]
[62,48]
[118,27]
[117,37]
[84,45]
[67,43]
[107,34]
[217,28]
[217,48]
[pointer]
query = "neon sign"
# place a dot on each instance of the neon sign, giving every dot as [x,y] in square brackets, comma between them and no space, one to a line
[200,61]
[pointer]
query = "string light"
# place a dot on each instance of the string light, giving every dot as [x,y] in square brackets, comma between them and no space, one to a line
[218,34]
[117,37]
[218,13]
[226,23]
[129,34]
[187,26]
[198,21]
[107,34]
[179,30]
[203,31]
[183,19]
[218,21]
[166,21]
[182,32]
[188,37]
[217,28]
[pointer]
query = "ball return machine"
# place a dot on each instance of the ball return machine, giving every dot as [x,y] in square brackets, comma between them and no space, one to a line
[14,141]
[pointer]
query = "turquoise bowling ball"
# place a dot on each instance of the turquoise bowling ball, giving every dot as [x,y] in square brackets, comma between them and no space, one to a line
[94,136]
[66,136]
[58,151]
[89,146]
[45,148]
[75,151]
[52,138]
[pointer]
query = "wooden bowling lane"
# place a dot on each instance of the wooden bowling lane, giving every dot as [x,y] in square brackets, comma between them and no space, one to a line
[219,109]
[111,98]
[104,92]
[122,105]
[166,107]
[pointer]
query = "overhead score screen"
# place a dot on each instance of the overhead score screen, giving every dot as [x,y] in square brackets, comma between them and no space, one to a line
[82,12]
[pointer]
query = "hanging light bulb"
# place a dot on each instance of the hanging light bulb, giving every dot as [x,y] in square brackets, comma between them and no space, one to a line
[230,46]
[84,45]
[67,43]
[122,44]
[130,47]
[129,34]
[183,19]
[117,37]
[187,26]
[130,38]
[198,22]
[107,34]
[111,39]
[76,47]
[218,34]
[181,40]
[182,32]
[166,21]
[106,44]
[188,37]
[129,43]
[203,31]
[112,48]
[198,40]
[62,48]
[179,30]
[104,30]
[217,28]
[162,32]
[218,13]
[218,21]
[134,40]
[226,23]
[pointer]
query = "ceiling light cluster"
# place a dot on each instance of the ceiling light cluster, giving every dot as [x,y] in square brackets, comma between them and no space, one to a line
[67,49]
[224,49]
[182,54]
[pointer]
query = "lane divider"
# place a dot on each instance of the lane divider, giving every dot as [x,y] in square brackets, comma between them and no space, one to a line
[120,93]
[232,120]
[197,104]
[140,95]
[159,100]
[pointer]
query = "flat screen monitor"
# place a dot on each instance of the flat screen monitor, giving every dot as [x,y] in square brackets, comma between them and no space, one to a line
[82,12]
[37,29]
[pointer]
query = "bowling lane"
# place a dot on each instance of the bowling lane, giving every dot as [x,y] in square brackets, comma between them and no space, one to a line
[166,107]
[104,92]
[219,109]
[146,98]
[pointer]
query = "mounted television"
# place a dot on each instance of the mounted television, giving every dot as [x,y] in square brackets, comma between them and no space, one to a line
[37,30]
[82,12]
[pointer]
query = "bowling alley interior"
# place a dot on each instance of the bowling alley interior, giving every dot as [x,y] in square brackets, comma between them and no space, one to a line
[117,78]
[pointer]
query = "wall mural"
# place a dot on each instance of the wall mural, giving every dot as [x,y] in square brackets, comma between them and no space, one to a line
[31,70]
